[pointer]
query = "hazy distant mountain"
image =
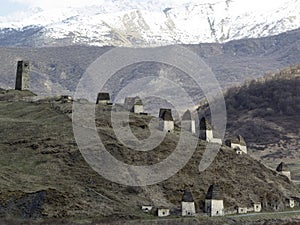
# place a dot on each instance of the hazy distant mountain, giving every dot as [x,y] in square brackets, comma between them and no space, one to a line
[149,23]
[57,70]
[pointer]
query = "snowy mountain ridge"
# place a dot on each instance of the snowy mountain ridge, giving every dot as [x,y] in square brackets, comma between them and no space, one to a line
[153,23]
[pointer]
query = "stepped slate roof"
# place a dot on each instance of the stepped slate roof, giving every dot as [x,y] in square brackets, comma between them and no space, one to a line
[166,114]
[103,96]
[187,115]
[214,192]
[138,101]
[129,102]
[282,167]
[187,196]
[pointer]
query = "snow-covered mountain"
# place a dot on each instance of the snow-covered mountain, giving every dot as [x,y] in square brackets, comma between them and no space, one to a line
[150,23]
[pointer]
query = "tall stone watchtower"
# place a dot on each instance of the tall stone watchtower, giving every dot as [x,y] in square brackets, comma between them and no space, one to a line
[134,104]
[188,123]
[206,132]
[167,123]
[23,76]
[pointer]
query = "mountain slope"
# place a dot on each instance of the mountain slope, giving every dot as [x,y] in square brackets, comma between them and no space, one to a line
[266,112]
[43,174]
[58,70]
[149,23]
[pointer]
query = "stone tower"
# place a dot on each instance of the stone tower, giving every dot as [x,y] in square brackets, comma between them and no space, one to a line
[214,205]
[167,123]
[238,144]
[188,123]
[134,104]
[23,76]
[206,132]
[103,98]
[187,204]
[138,105]
[283,169]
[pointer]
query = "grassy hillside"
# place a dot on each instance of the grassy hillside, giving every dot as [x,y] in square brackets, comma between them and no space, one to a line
[266,112]
[44,176]
[275,98]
